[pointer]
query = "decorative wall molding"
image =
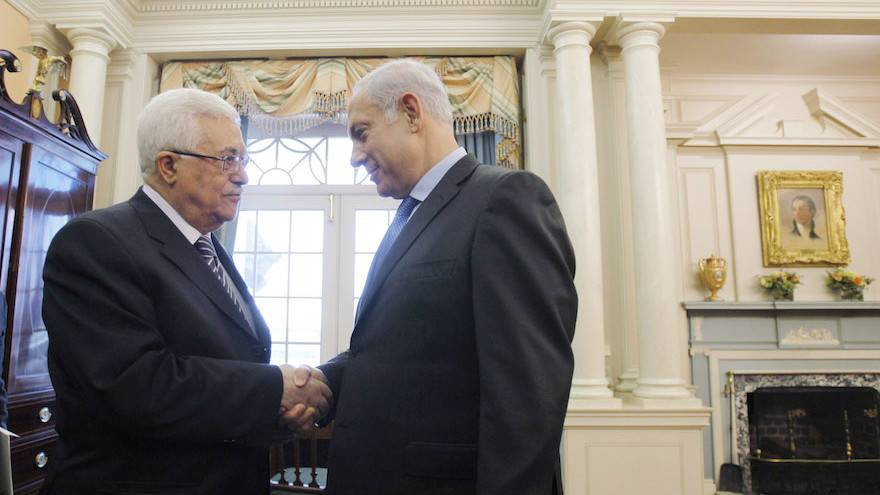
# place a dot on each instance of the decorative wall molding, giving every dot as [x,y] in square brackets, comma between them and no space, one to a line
[736,124]
[803,336]
[822,105]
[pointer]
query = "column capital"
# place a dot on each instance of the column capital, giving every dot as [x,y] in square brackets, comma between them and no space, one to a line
[558,21]
[570,33]
[635,31]
[91,40]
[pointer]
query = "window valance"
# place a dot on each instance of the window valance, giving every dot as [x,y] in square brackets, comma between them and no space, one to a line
[287,97]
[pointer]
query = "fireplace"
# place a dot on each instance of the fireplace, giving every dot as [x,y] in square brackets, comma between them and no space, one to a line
[808,434]
[787,350]
[814,440]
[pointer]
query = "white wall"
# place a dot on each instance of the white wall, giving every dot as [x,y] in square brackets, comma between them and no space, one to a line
[717,187]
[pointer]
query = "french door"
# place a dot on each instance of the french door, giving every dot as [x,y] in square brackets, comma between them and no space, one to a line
[304,252]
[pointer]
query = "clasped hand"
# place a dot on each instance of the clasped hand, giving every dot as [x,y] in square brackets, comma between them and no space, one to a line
[306,398]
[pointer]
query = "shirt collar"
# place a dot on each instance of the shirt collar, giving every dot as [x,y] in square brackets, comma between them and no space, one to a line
[191,233]
[430,180]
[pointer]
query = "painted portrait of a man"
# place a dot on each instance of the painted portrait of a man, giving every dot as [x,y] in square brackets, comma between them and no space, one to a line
[803,221]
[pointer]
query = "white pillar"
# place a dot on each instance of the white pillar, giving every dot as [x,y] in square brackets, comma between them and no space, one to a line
[578,184]
[132,78]
[88,74]
[662,351]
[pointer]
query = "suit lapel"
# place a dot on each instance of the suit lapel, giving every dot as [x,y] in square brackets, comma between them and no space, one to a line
[446,189]
[186,258]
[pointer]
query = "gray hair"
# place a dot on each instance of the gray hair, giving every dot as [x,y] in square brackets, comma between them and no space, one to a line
[806,199]
[387,84]
[169,122]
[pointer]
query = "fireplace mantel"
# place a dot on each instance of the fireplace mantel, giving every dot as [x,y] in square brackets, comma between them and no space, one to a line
[779,306]
[773,338]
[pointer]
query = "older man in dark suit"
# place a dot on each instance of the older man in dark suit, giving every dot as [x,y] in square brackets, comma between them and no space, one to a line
[457,377]
[157,352]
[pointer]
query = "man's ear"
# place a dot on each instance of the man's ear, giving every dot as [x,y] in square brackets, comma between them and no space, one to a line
[411,107]
[166,167]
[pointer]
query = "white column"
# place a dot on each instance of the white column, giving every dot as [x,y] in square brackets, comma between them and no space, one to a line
[662,349]
[88,74]
[131,80]
[578,184]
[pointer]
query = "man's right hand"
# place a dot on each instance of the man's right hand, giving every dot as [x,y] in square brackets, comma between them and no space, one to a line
[306,396]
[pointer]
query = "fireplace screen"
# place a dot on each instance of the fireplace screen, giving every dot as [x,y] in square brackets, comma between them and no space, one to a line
[814,440]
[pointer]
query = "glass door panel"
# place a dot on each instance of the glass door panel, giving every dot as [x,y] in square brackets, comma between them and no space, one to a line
[285,249]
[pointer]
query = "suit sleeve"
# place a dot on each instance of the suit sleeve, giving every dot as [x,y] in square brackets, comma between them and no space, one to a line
[108,355]
[334,370]
[525,306]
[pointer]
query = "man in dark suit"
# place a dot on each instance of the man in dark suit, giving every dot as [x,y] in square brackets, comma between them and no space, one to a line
[458,373]
[157,352]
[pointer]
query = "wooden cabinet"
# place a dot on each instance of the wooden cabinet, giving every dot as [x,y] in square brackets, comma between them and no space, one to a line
[47,176]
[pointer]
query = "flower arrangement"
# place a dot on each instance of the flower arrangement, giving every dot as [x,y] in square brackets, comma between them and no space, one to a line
[780,284]
[849,284]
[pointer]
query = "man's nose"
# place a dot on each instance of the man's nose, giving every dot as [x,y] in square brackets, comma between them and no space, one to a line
[240,177]
[357,156]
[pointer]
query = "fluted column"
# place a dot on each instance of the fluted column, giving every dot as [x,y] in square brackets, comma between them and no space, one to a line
[88,74]
[661,333]
[578,187]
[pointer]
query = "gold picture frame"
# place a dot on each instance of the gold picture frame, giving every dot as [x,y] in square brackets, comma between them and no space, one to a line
[802,218]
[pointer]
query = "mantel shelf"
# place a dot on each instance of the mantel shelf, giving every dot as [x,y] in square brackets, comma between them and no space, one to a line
[726,306]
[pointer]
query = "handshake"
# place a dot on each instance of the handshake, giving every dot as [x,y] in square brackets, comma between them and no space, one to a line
[305,398]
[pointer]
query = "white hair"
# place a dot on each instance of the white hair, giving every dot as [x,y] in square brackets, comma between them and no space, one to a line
[387,84]
[169,122]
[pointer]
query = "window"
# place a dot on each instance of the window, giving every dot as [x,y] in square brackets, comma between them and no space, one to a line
[306,233]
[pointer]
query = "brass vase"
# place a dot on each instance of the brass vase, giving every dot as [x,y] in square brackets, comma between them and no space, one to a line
[713,273]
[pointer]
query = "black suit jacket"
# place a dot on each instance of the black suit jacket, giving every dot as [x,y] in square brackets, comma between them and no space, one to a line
[161,386]
[459,369]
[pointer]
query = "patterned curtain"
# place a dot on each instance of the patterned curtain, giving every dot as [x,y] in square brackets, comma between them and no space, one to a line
[286,97]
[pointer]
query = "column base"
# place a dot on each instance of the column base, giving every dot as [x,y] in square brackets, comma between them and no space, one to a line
[627,382]
[592,394]
[664,394]
[654,403]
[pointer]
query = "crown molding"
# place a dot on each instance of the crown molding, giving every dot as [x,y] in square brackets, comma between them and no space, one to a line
[362,32]
[151,6]
[28,8]
[114,17]
[44,34]
[767,9]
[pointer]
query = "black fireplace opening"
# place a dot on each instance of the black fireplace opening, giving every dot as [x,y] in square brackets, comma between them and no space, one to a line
[814,440]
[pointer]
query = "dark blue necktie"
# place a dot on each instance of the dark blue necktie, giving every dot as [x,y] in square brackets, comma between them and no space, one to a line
[400,218]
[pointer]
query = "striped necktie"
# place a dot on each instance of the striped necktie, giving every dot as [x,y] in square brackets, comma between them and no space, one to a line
[209,254]
[400,218]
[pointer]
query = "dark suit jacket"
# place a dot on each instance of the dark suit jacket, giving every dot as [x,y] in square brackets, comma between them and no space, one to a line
[161,387]
[459,369]
[813,234]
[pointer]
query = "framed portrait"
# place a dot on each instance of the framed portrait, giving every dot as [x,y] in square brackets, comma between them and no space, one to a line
[802,218]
